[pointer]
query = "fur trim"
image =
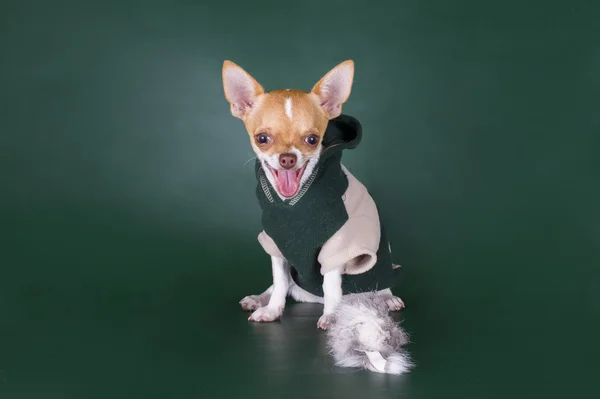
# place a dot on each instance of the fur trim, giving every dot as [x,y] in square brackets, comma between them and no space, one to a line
[362,334]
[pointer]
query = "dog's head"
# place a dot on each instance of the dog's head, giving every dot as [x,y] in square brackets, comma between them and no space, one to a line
[286,126]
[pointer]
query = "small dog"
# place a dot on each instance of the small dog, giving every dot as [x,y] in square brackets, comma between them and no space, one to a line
[320,225]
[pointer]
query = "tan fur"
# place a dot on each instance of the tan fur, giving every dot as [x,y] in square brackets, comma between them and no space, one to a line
[270,117]
[268,114]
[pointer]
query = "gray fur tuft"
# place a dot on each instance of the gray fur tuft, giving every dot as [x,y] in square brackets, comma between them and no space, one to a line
[361,323]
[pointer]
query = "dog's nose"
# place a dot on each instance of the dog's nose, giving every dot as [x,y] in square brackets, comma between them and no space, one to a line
[287,161]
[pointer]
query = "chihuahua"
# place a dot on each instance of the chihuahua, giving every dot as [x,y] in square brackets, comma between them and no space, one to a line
[321,226]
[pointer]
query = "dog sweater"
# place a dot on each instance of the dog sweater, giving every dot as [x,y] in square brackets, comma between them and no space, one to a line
[331,222]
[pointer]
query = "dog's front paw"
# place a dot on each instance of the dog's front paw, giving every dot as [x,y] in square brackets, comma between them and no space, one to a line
[394,303]
[253,302]
[323,322]
[266,314]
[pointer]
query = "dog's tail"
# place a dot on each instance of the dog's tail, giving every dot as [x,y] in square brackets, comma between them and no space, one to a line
[362,334]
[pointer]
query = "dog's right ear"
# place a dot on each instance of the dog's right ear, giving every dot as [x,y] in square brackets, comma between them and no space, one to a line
[241,90]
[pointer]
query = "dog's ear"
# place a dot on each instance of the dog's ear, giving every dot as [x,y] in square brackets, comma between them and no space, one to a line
[241,90]
[334,88]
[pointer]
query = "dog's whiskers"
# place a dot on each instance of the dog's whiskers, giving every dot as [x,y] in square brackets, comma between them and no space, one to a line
[248,161]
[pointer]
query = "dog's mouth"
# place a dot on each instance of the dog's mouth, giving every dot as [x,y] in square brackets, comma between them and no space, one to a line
[287,181]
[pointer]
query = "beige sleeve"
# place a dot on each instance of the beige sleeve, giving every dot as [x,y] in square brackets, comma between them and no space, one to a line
[269,245]
[355,245]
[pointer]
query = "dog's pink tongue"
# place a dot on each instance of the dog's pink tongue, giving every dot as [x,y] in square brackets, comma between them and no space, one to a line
[288,182]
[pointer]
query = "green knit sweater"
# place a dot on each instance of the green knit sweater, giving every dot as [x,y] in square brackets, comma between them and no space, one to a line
[301,225]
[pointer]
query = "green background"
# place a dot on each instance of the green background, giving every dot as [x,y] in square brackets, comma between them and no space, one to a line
[129,220]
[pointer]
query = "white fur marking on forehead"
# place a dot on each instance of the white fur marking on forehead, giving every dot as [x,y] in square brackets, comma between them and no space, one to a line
[288,107]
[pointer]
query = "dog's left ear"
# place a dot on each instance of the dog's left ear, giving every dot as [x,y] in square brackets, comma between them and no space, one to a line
[334,88]
[241,89]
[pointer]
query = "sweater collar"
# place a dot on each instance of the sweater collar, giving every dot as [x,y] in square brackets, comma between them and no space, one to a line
[343,132]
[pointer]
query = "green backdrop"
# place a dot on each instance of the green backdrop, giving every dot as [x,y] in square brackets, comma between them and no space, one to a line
[129,220]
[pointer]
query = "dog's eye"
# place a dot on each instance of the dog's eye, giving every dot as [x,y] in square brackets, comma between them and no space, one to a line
[313,139]
[262,138]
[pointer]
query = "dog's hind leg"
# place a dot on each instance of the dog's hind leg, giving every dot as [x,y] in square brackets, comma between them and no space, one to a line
[253,302]
[394,303]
